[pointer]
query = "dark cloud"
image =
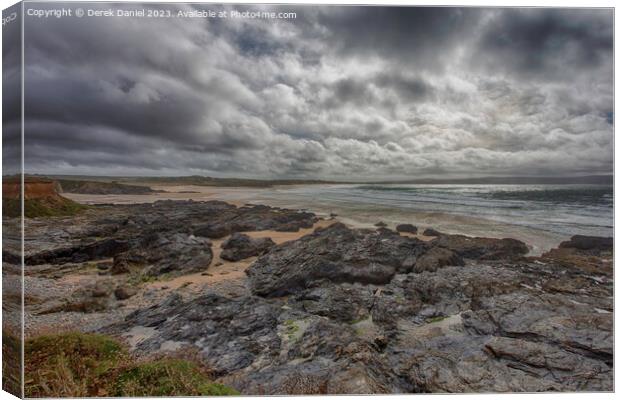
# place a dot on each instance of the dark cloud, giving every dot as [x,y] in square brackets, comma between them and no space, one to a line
[11,93]
[338,92]
[548,42]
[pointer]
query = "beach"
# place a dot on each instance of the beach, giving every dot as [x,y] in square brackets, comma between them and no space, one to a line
[276,299]
[529,213]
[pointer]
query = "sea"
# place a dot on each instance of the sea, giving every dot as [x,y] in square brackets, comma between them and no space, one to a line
[540,215]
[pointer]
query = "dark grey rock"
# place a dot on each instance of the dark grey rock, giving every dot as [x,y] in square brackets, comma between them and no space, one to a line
[483,248]
[240,246]
[589,243]
[408,228]
[163,253]
[337,254]
[431,232]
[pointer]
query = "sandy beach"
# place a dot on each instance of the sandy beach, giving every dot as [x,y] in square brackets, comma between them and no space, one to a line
[351,213]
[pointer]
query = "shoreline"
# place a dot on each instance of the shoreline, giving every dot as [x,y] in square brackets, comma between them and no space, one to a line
[354,216]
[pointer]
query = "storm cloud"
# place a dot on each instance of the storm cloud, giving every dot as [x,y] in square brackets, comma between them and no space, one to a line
[348,93]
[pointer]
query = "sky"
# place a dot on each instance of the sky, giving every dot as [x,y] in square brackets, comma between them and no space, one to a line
[339,93]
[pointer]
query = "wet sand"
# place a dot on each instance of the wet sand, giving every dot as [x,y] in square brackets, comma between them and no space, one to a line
[237,195]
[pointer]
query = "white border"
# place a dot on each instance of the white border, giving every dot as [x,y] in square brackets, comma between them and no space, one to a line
[481,3]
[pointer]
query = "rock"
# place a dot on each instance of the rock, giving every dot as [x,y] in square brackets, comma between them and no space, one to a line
[240,246]
[337,254]
[101,249]
[435,258]
[91,298]
[124,292]
[340,310]
[381,224]
[120,265]
[162,253]
[104,266]
[344,302]
[571,258]
[213,231]
[408,228]
[254,218]
[593,243]
[483,248]
[100,290]
[230,333]
[431,232]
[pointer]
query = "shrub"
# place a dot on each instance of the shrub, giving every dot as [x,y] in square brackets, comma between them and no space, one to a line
[167,377]
[88,365]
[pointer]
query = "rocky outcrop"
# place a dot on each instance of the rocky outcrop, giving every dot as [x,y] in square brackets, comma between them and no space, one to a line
[483,248]
[164,253]
[431,232]
[479,327]
[340,254]
[336,254]
[340,310]
[254,218]
[408,228]
[436,258]
[592,243]
[240,246]
[94,251]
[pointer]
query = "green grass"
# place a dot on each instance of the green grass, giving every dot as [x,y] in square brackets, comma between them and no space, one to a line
[36,208]
[167,378]
[89,365]
[358,320]
[436,319]
[11,363]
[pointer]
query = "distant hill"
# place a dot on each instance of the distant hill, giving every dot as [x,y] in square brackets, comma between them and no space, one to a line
[94,187]
[141,184]
[72,181]
[41,199]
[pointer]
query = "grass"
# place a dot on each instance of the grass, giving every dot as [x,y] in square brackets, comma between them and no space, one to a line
[11,363]
[69,365]
[36,208]
[358,320]
[167,378]
[436,319]
[291,328]
[89,365]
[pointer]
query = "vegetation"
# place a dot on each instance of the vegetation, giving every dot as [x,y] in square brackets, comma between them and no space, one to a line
[436,319]
[88,365]
[167,378]
[97,187]
[43,207]
[11,363]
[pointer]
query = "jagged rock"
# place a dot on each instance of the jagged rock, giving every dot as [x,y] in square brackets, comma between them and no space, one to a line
[240,246]
[408,228]
[344,302]
[101,249]
[483,248]
[594,243]
[436,258]
[336,254]
[161,253]
[365,311]
[213,231]
[231,333]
